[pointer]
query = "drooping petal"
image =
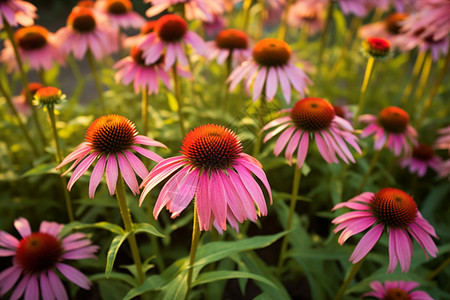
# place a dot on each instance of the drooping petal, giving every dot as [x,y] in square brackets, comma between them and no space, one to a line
[8,241]
[32,289]
[46,290]
[97,175]
[137,165]
[356,227]
[260,174]
[271,83]
[219,205]
[259,83]
[185,193]
[51,228]
[20,288]
[302,149]
[58,288]
[128,174]
[253,188]
[204,208]
[74,275]
[366,243]
[8,278]
[81,169]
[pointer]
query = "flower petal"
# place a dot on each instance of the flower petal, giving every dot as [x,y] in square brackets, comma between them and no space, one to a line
[366,243]
[74,275]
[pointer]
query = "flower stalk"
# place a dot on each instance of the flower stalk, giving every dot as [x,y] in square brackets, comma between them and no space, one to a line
[422,81]
[354,270]
[98,84]
[415,74]
[176,84]
[261,114]
[228,63]
[284,20]
[323,38]
[193,252]
[362,95]
[144,109]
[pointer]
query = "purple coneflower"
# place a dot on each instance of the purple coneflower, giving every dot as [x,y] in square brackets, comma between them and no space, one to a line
[213,170]
[396,290]
[120,13]
[271,64]
[343,111]
[21,103]
[36,46]
[17,12]
[170,34]
[110,140]
[390,128]
[390,209]
[443,141]
[147,28]
[37,255]
[313,117]
[359,8]
[193,9]
[308,15]
[229,42]
[85,31]
[421,159]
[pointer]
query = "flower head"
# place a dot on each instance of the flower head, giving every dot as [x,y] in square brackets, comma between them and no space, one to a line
[443,141]
[376,47]
[359,8]
[193,9]
[37,255]
[170,34]
[87,31]
[120,13]
[111,140]
[17,12]
[271,63]
[422,157]
[48,96]
[312,117]
[36,46]
[136,40]
[215,172]
[390,128]
[309,14]
[390,209]
[20,101]
[396,290]
[229,42]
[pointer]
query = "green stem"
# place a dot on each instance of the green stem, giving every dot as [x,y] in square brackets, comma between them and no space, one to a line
[260,31]
[415,73]
[323,38]
[128,223]
[350,276]
[369,171]
[434,90]
[19,121]
[24,78]
[41,74]
[229,62]
[51,115]
[284,20]
[246,7]
[422,81]
[144,110]
[362,95]
[261,114]
[284,245]
[439,269]
[194,246]
[179,100]
[98,84]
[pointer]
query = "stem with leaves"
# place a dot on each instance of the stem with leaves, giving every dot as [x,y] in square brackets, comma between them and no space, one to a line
[193,252]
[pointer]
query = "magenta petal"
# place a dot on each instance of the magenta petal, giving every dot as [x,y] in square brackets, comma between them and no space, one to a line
[260,174]
[219,205]
[285,85]
[80,151]
[147,153]
[97,175]
[128,174]
[5,253]
[203,202]
[8,241]
[302,149]
[74,275]
[81,169]
[356,227]
[252,187]
[51,228]
[32,290]
[393,258]
[423,239]
[20,288]
[137,165]
[283,140]
[8,278]
[259,83]
[140,139]
[323,149]
[112,173]
[244,196]
[276,122]
[404,249]
[351,215]
[185,193]
[22,226]
[46,290]
[366,243]
[293,145]
[82,253]
[234,202]
[58,288]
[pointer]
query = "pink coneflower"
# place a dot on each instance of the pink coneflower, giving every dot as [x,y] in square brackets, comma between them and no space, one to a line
[193,9]
[343,111]
[110,140]
[120,13]
[422,157]
[271,64]
[213,27]
[85,31]
[396,290]
[229,41]
[308,14]
[390,209]
[215,172]
[392,128]
[443,141]
[147,28]
[359,8]
[17,12]
[37,47]
[170,34]
[36,256]
[21,103]
[313,117]
[437,48]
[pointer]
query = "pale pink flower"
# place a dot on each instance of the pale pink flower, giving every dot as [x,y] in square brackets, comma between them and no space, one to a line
[134,69]
[111,140]
[17,12]
[120,13]
[313,117]
[390,210]
[229,41]
[134,40]
[390,128]
[271,64]
[214,26]
[444,169]
[36,257]
[443,141]
[170,34]
[308,14]
[36,46]
[215,172]
[396,290]
[421,159]
[359,8]
[193,9]
[86,31]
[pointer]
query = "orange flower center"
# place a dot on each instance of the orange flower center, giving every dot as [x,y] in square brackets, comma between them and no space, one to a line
[377,47]
[82,19]
[393,119]
[111,134]
[393,22]
[86,3]
[211,147]
[394,207]
[148,27]
[171,28]
[48,95]
[396,294]
[118,7]
[32,37]
[423,152]
[271,52]
[312,114]
[232,39]
[33,87]
[38,252]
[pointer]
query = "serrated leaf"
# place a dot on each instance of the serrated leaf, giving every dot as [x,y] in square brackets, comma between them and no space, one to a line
[147,228]
[112,252]
[224,275]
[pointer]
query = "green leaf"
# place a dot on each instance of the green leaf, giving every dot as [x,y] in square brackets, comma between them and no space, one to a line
[224,275]
[151,283]
[112,252]
[147,228]
[115,276]
[177,288]
[41,169]
[102,225]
